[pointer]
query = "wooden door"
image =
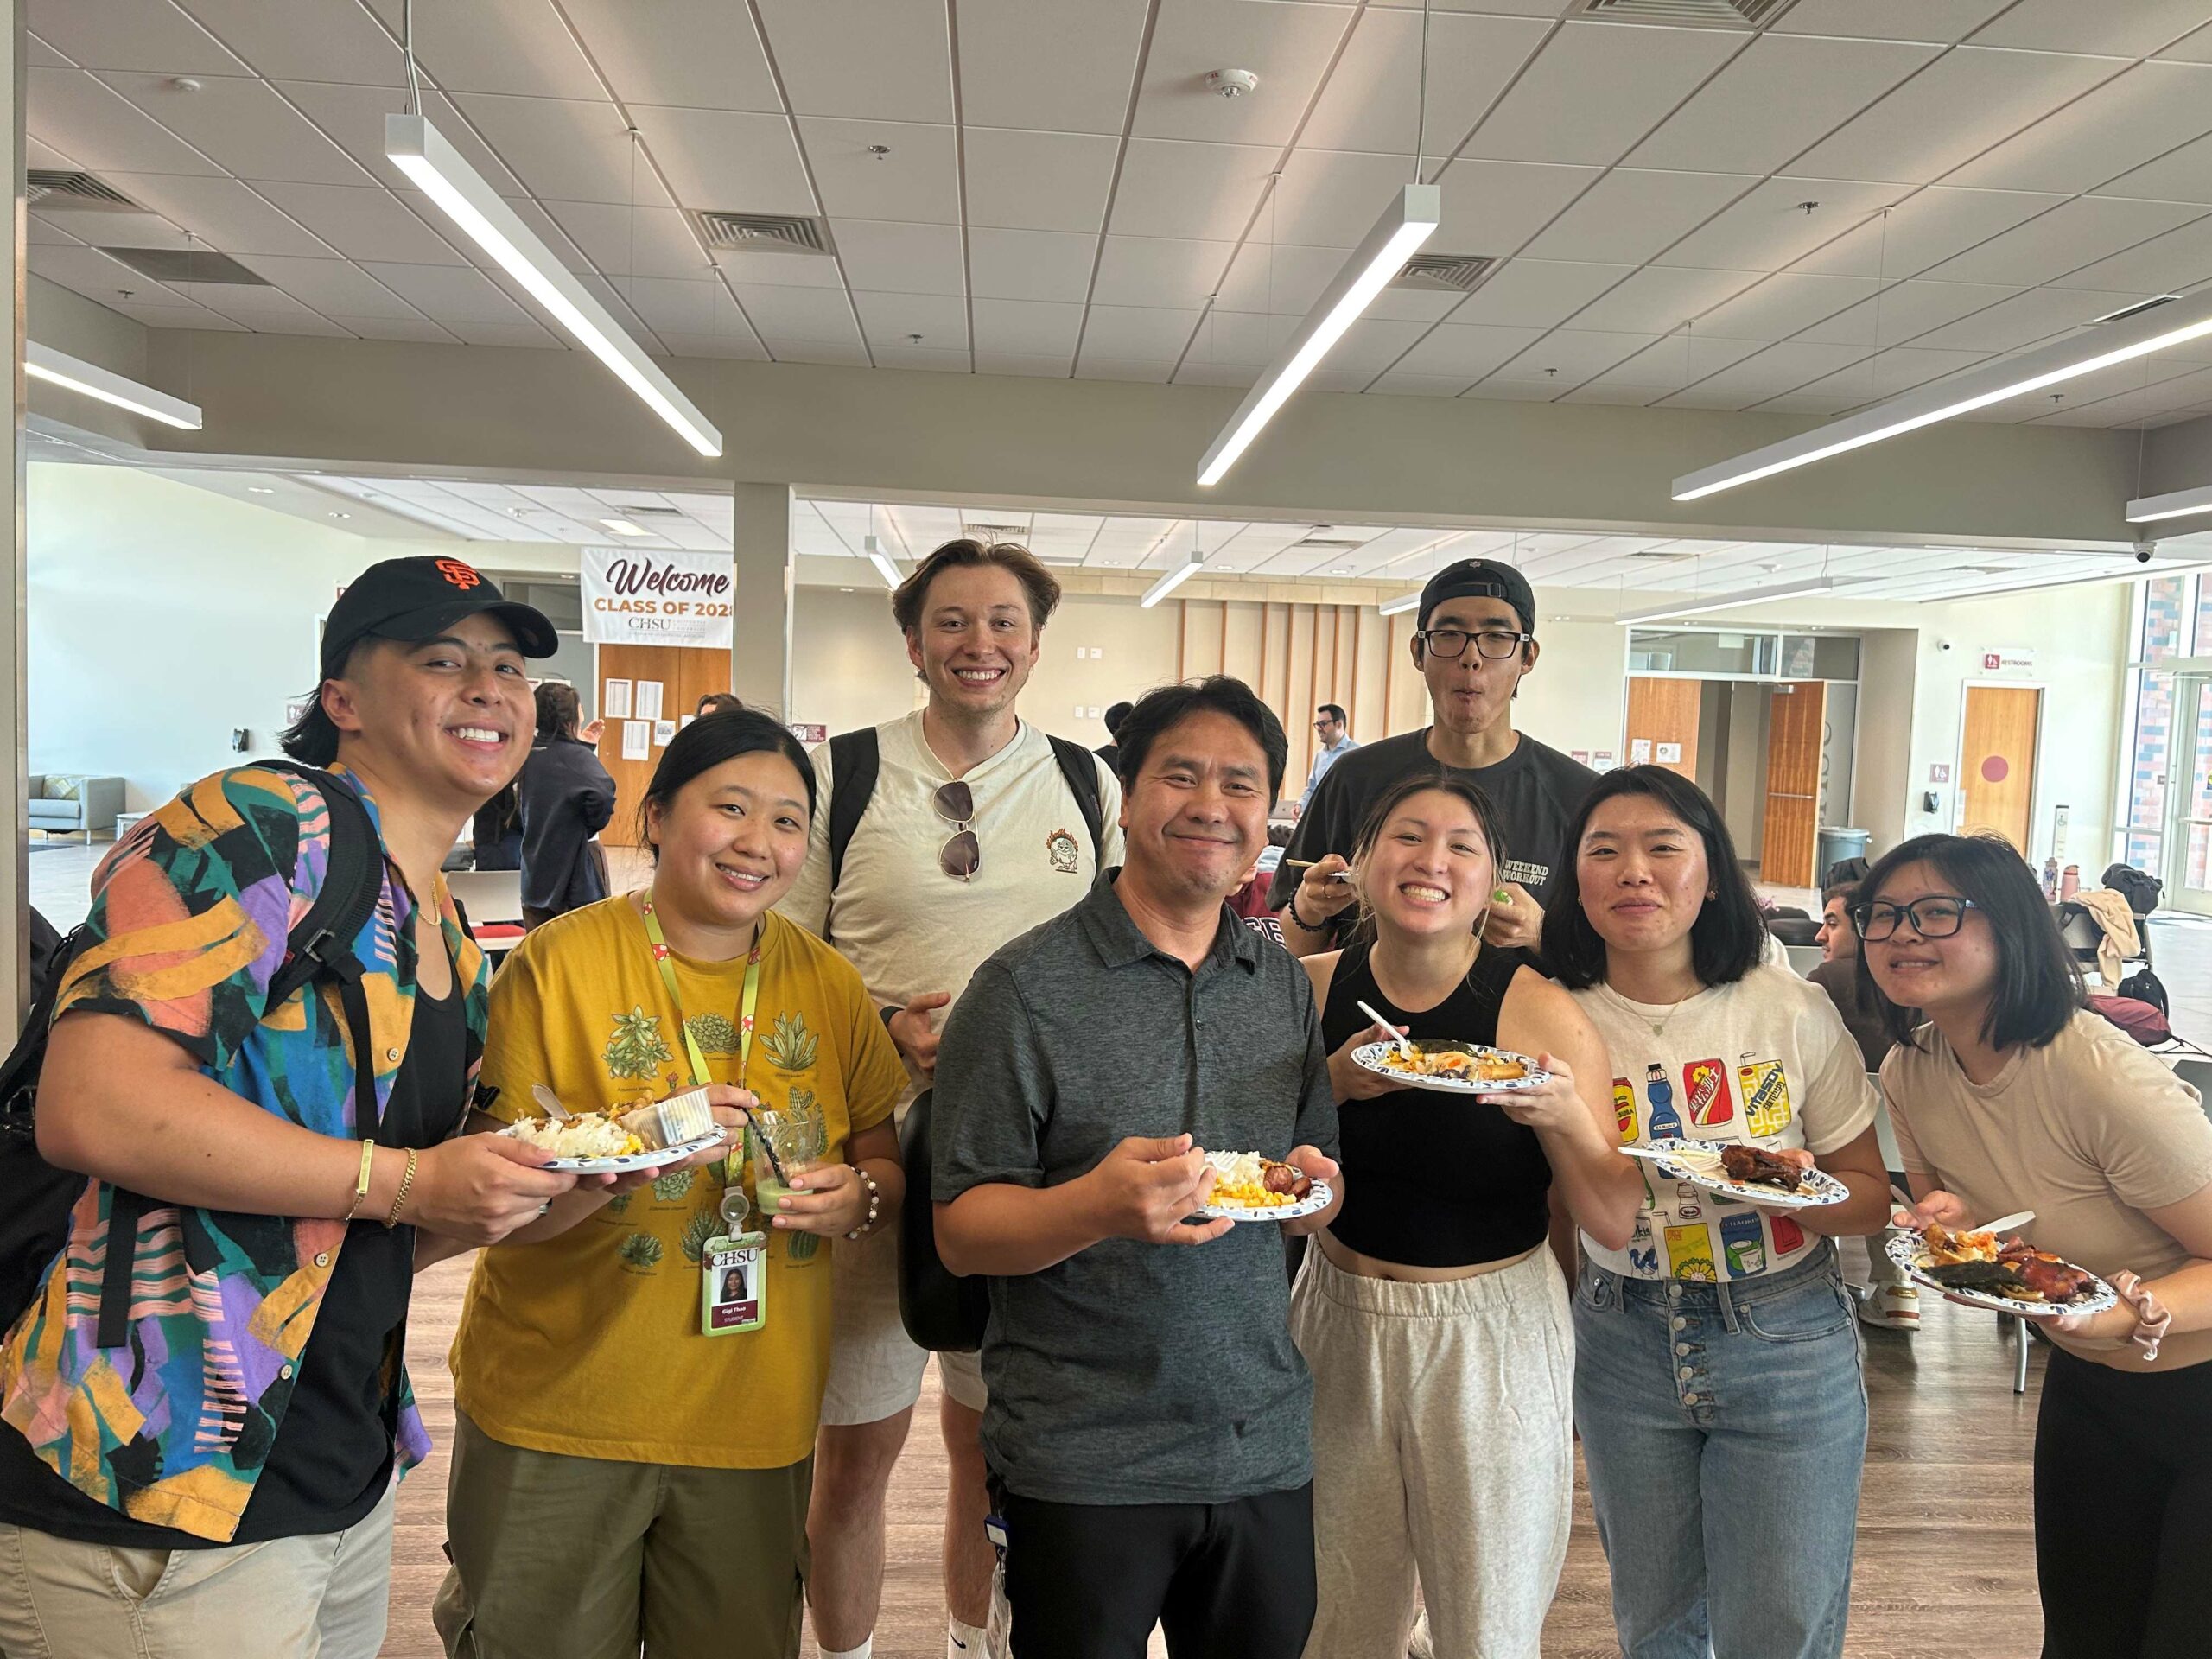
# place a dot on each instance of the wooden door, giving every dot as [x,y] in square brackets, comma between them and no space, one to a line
[1664,713]
[685,676]
[1997,754]
[1795,721]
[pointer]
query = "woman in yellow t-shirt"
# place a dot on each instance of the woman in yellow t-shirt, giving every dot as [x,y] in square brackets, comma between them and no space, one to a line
[618,1475]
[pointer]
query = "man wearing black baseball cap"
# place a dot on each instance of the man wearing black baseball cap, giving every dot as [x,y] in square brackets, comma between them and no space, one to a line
[1476,639]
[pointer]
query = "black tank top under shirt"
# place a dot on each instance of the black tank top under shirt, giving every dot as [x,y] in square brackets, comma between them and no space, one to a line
[1432,1181]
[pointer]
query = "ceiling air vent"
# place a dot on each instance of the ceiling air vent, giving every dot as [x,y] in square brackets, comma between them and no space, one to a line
[650,512]
[1446,273]
[186,265]
[1325,544]
[1661,553]
[764,233]
[81,192]
[1722,14]
[989,534]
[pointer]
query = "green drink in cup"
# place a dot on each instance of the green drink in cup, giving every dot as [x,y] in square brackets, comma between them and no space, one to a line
[794,1138]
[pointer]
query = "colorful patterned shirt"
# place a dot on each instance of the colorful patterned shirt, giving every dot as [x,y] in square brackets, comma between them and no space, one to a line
[190,919]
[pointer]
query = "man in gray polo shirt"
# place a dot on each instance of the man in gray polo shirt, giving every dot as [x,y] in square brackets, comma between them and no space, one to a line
[1149,1429]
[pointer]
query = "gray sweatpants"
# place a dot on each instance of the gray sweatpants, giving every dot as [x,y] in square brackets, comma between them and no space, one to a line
[1443,1456]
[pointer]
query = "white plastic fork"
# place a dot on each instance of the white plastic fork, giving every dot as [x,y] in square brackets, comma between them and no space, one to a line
[1404,1047]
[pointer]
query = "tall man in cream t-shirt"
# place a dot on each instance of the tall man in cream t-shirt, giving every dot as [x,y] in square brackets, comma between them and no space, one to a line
[915,927]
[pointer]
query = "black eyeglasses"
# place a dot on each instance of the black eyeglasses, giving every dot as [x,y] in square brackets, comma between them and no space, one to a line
[1937,916]
[962,855]
[1451,643]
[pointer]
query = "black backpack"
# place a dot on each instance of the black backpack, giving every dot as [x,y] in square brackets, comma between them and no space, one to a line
[2146,987]
[36,1198]
[942,1314]
[2141,889]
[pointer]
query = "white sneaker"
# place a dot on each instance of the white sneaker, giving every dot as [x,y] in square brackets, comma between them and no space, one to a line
[1890,1307]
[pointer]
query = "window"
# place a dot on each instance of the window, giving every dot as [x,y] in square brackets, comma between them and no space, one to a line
[2161,608]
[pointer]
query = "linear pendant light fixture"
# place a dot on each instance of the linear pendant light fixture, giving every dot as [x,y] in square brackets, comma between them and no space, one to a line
[2177,503]
[1400,605]
[421,151]
[2078,355]
[882,561]
[1729,601]
[1409,221]
[1174,579]
[60,369]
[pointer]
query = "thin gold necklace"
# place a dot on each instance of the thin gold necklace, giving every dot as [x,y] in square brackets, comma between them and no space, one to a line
[1657,1026]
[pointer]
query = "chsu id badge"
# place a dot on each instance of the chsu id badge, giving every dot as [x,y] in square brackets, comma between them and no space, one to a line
[734,1273]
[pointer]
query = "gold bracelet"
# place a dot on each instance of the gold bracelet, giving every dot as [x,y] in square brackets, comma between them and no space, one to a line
[361,1186]
[406,1181]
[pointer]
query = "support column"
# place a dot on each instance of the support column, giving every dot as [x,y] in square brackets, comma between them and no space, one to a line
[765,574]
[15,821]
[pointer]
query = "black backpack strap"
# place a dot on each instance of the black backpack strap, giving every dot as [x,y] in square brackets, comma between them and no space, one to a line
[1080,767]
[854,758]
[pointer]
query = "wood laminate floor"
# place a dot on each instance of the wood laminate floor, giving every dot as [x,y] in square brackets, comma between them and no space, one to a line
[1946,1559]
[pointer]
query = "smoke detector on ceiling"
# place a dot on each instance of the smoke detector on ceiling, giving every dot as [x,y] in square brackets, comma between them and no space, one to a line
[1232,83]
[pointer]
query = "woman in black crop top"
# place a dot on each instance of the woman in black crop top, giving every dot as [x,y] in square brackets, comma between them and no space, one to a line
[1435,1323]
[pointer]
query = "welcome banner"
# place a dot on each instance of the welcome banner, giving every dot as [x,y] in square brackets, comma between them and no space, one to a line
[636,598]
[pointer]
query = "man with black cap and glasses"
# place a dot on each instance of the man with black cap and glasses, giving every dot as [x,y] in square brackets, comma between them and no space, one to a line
[1476,639]
[200,1461]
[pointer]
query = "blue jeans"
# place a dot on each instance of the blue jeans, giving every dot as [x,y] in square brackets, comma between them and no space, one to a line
[1724,1428]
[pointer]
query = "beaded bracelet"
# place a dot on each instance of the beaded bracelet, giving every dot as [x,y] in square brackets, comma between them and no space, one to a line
[875,1203]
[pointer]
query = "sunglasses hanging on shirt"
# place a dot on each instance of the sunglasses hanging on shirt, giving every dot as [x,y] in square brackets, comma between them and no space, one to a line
[962,855]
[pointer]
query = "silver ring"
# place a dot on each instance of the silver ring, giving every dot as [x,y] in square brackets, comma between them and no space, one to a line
[544,1207]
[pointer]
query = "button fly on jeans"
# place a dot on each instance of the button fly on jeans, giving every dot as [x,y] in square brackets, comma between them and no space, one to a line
[1678,1322]
[1683,1348]
[1685,1373]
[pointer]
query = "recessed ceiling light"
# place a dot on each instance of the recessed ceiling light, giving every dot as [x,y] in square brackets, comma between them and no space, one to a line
[259,489]
[341,515]
[624,527]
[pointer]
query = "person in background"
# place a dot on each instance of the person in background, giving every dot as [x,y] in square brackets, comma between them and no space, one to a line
[620,1474]
[719,702]
[495,831]
[220,1483]
[2013,1097]
[971,836]
[1476,642]
[1110,750]
[568,798]
[1717,1383]
[1149,1430]
[1431,1303]
[1336,742]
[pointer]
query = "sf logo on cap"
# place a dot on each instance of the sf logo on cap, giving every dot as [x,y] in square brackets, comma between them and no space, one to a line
[459,575]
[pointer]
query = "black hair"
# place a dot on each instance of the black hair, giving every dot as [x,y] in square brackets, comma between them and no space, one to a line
[1334,712]
[709,741]
[559,708]
[2038,982]
[719,702]
[312,739]
[1116,714]
[1422,783]
[1726,941]
[1847,891]
[1163,706]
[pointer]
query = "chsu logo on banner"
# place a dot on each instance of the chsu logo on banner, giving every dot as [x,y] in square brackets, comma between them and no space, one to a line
[635,598]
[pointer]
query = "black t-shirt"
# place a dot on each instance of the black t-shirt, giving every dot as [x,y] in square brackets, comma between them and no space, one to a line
[1534,791]
[331,1459]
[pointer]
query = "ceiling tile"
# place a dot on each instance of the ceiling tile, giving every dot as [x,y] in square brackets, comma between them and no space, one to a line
[1137,334]
[1768,228]
[2180,259]
[36,230]
[1965,101]
[353,117]
[100,130]
[412,327]
[2026,319]
[1905,310]
[299,42]
[1060,68]
[1187,190]
[264,310]
[566,149]
[1922,230]
[222,212]
[667,304]
[2185,174]
[1030,264]
[2129,121]
[1494,207]
[940,360]
[743,347]
[1781,94]
[1683,360]
[1195,372]
[1027,327]
[906,74]
[149,35]
[92,273]
[780,270]
[1331,199]
[1660,298]
[449,294]
[897,259]
[1596,89]
[1766,374]
[792,313]
[1889,373]
[1039,181]
[841,354]
[1467,351]
[891,318]
[1280,279]
[1572,355]
[727,161]
[364,224]
[1287,47]
[495,46]
[700,54]
[175,316]
[918,178]
[1537,293]
[1629,216]
[1947,21]
[40,54]
[2061,240]
[1144,271]
[334,287]
[506,333]
[1782,305]
[2195,48]
[2127,31]
[622,241]
[243,126]
[1054,367]
[1372,100]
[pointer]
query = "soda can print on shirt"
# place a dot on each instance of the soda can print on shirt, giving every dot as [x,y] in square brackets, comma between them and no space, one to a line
[1789,1237]
[1624,1108]
[1704,1089]
[1743,1244]
[1766,1096]
[1689,1253]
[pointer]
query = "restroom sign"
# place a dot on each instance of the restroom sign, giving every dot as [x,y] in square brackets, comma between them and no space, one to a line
[2008,660]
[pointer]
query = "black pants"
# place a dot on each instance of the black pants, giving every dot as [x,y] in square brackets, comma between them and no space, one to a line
[1227,1580]
[2123,1511]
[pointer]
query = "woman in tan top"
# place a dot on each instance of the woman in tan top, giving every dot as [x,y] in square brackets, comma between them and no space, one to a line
[2013,1097]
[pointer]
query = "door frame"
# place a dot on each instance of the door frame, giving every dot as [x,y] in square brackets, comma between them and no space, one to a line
[2037,791]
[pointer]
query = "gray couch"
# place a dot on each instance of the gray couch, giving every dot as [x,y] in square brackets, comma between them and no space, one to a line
[97,802]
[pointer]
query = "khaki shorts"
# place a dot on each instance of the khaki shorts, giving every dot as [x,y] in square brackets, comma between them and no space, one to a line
[557,1557]
[875,1370]
[325,1594]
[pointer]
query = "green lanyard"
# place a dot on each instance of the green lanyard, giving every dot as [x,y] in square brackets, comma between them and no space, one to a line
[746,1002]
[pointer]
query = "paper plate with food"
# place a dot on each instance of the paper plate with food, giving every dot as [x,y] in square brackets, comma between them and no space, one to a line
[1748,1174]
[2010,1277]
[595,1143]
[1451,1068]
[1248,1187]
